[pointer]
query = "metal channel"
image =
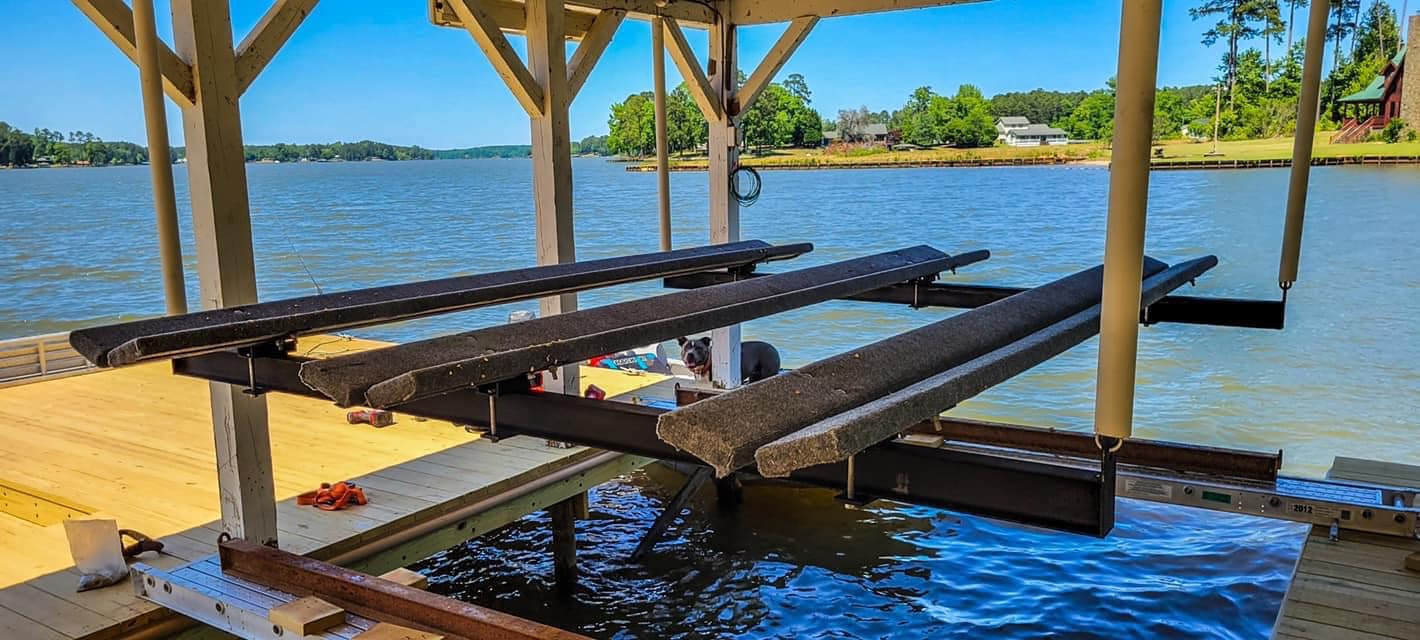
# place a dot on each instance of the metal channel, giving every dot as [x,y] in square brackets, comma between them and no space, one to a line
[161,338]
[1220,312]
[219,609]
[980,483]
[394,375]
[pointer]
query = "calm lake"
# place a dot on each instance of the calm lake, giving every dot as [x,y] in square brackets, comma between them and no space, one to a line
[1340,380]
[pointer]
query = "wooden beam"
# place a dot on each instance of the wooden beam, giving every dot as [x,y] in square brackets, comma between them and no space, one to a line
[115,20]
[691,12]
[724,159]
[486,33]
[226,268]
[511,17]
[746,12]
[267,38]
[593,45]
[552,161]
[773,62]
[690,69]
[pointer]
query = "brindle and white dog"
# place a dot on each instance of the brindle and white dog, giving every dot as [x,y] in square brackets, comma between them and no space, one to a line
[758,360]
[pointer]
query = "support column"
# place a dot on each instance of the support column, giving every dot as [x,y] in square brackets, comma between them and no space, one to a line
[724,159]
[663,164]
[564,545]
[1128,209]
[1308,103]
[160,162]
[221,222]
[552,159]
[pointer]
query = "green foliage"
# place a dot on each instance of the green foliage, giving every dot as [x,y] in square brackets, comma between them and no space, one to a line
[782,117]
[18,148]
[963,120]
[1094,118]
[492,151]
[590,145]
[349,151]
[1391,132]
[632,124]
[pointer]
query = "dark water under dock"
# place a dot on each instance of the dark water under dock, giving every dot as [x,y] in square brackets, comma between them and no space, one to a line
[1341,380]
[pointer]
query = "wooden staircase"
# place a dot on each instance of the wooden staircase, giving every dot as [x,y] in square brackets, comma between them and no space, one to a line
[1353,130]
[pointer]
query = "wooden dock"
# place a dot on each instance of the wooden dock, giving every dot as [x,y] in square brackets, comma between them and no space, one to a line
[1357,587]
[136,445]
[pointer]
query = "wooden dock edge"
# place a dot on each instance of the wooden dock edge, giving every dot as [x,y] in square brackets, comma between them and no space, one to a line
[448,530]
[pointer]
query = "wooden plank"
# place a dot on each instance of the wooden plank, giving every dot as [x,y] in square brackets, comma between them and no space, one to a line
[39,507]
[1313,630]
[749,12]
[1355,622]
[64,617]
[1397,474]
[403,576]
[15,625]
[387,631]
[307,616]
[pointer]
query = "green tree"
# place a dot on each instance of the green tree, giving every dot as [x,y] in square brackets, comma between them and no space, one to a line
[633,126]
[1093,119]
[798,87]
[1038,105]
[1235,23]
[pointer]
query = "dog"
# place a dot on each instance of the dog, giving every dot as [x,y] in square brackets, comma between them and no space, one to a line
[758,360]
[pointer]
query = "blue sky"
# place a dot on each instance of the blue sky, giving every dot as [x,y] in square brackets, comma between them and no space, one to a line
[379,70]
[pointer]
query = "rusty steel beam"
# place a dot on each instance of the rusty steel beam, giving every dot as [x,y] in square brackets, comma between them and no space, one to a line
[377,599]
[840,436]
[391,376]
[163,338]
[725,431]
[1174,456]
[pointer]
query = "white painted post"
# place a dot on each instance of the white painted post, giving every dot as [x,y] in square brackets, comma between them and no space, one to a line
[221,221]
[724,209]
[552,159]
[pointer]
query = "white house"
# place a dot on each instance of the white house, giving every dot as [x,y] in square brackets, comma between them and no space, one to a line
[1006,124]
[1034,135]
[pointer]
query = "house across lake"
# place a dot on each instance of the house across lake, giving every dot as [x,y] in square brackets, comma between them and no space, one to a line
[1018,131]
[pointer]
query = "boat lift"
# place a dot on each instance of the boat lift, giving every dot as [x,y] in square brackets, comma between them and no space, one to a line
[882,441]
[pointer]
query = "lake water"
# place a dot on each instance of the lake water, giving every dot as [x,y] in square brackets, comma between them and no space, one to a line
[1340,380]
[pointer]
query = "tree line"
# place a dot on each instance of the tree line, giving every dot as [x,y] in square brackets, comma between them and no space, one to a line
[18,148]
[781,116]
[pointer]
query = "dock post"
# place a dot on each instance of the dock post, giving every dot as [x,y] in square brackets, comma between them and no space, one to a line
[564,544]
[221,221]
[724,159]
[160,163]
[663,162]
[1128,209]
[1308,103]
[552,159]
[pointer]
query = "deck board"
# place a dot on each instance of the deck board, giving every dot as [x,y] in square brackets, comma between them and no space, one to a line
[1356,587]
[135,444]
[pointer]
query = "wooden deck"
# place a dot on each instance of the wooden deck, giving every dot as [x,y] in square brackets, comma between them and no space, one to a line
[135,445]
[1356,588]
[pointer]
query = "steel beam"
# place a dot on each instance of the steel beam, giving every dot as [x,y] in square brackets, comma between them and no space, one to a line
[382,600]
[840,436]
[395,375]
[986,484]
[726,430]
[162,338]
[1241,313]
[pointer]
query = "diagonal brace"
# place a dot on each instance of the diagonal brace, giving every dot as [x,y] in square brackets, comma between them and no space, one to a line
[115,20]
[267,37]
[590,50]
[690,69]
[510,67]
[773,61]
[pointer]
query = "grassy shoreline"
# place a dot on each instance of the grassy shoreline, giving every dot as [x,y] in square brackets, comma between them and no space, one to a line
[1234,154]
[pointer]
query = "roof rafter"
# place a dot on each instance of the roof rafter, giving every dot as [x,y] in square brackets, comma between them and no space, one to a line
[690,69]
[746,12]
[773,62]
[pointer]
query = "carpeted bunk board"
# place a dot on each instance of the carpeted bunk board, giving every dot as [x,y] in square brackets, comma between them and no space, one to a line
[843,435]
[726,430]
[167,337]
[394,375]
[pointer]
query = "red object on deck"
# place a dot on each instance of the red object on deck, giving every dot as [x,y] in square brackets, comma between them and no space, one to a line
[372,417]
[594,392]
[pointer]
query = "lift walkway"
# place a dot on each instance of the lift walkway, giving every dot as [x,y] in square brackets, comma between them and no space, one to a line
[1356,586]
[135,445]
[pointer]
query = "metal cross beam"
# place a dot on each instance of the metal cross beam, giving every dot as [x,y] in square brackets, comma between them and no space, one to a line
[984,484]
